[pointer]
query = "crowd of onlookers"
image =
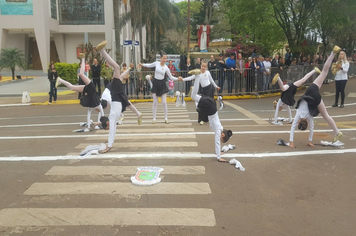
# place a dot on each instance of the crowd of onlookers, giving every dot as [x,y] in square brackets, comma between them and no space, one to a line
[233,73]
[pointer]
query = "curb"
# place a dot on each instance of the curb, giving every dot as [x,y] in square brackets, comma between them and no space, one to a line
[15,81]
[170,100]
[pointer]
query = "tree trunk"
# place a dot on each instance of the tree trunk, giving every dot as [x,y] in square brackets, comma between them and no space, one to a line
[117,30]
[140,31]
[13,73]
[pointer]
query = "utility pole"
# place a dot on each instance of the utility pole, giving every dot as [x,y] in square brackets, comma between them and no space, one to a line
[188,27]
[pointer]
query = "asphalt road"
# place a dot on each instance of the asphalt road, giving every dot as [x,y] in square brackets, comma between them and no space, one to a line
[46,189]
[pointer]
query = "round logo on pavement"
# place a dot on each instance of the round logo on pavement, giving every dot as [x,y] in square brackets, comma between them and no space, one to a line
[146,176]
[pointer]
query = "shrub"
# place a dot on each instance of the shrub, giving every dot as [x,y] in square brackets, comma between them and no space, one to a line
[67,71]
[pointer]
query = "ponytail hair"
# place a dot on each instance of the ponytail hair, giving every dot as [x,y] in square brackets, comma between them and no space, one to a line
[103,121]
[228,134]
[104,103]
[303,124]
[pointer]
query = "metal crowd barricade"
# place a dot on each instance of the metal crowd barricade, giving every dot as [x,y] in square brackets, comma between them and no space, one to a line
[238,82]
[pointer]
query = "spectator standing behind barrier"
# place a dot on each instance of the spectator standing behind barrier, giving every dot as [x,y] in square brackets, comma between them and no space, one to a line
[125,82]
[341,79]
[132,79]
[231,66]
[172,68]
[80,81]
[107,74]
[221,73]
[275,68]
[248,75]
[254,67]
[187,67]
[198,65]
[212,66]
[267,75]
[52,77]
[173,71]
[240,65]
[261,71]
[96,71]
[140,88]
[283,68]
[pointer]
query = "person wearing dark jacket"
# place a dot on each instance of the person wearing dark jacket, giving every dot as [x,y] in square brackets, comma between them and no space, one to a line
[186,68]
[52,77]
[221,66]
[96,70]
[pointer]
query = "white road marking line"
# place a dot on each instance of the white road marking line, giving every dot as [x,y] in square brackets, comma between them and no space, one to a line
[144,144]
[351,95]
[144,137]
[131,155]
[247,113]
[115,188]
[160,130]
[183,155]
[105,133]
[122,170]
[41,217]
[134,121]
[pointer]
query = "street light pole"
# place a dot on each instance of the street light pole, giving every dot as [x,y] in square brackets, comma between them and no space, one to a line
[188,27]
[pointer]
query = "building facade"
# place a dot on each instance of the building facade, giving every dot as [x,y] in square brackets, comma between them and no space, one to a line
[51,30]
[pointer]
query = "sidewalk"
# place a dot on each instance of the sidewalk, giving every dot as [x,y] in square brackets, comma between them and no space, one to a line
[11,93]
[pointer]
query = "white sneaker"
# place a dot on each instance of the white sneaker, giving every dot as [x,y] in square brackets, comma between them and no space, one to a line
[201,122]
[178,99]
[221,103]
[139,121]
[86,130]
[183,101]
[97,127]
[276,123]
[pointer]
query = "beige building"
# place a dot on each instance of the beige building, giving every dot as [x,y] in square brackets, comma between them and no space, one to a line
[51,30]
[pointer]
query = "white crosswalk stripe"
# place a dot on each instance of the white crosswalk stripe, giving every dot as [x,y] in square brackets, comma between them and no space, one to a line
[102,216]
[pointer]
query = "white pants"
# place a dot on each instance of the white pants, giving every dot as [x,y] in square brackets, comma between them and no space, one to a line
[115,111]
[281,104]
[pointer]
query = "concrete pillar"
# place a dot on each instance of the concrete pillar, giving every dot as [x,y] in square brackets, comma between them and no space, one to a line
[3,37]
[109,25]
[41,15]
[61,47]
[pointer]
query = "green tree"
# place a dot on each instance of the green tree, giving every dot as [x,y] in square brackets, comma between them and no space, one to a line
[250,27]
[294,19]
[10,58]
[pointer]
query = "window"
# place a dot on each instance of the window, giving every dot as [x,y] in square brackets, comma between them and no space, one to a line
[54,9]
[81,12]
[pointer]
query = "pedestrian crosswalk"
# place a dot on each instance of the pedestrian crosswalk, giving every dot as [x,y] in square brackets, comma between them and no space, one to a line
[145,215]
[161,141]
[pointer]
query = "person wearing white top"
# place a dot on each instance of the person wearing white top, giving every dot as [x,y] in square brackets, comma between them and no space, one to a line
[91,99]
[267,75]
[119,100]
[207,85]
[206,81]
[341,79]
[315,104]
[159,86]
[207,106]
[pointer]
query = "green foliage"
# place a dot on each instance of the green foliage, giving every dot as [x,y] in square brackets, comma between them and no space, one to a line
[67,71]
[10,58]
[248,22]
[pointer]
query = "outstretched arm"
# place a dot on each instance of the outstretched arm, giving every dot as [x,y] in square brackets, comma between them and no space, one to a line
[123,75]
[149,65]
[171,77]
[212,81]
[190,78]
